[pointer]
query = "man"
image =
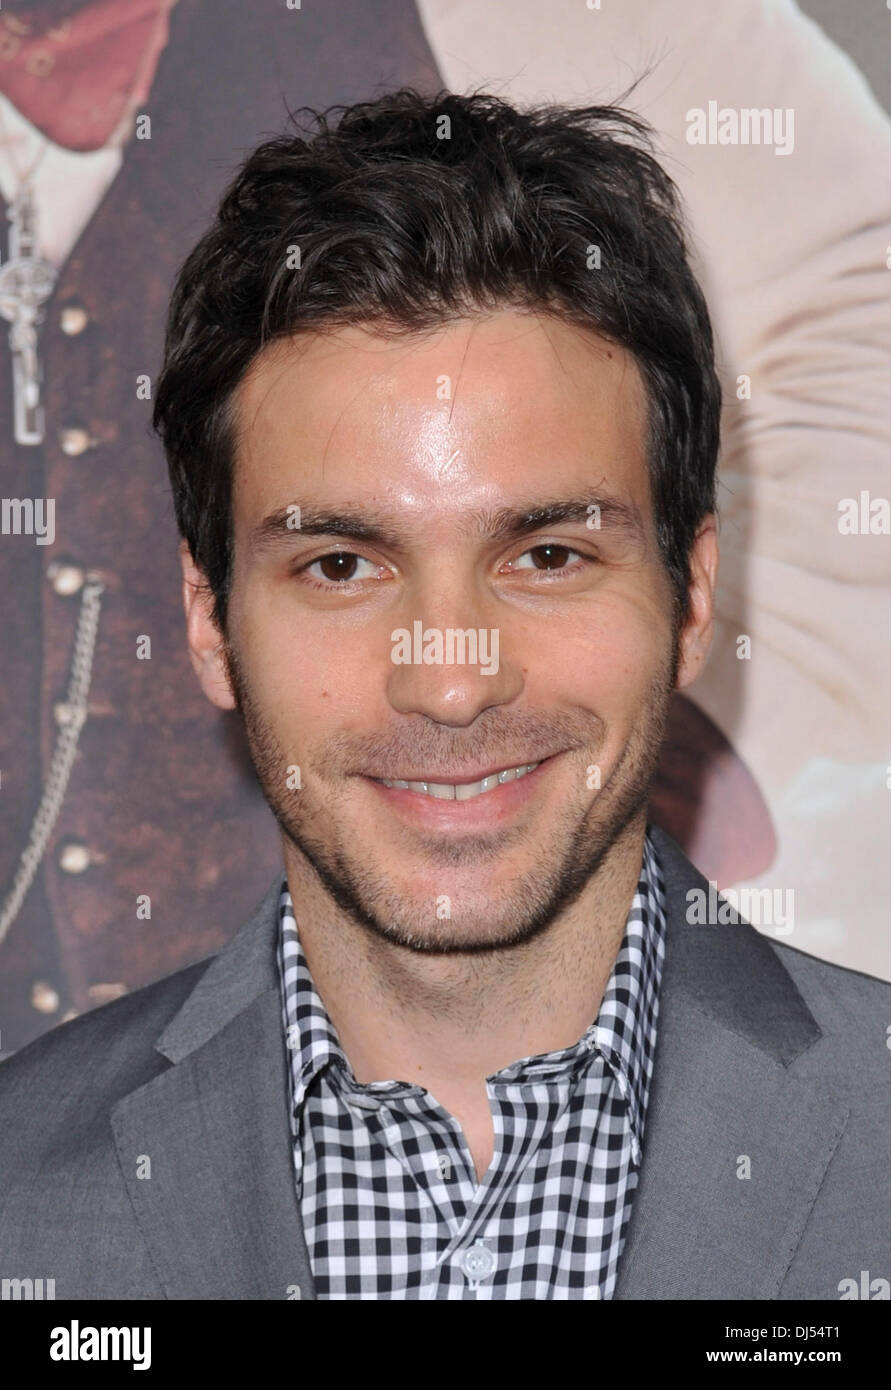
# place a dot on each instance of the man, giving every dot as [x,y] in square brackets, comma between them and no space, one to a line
[441,417]
[115,212]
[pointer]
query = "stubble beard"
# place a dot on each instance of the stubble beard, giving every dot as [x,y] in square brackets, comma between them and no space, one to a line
[532,901]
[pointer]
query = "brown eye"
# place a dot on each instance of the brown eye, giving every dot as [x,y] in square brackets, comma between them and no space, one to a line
[339,565]
[552,555]
[337,570]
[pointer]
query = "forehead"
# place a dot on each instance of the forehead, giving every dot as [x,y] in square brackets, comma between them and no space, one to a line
[460,417]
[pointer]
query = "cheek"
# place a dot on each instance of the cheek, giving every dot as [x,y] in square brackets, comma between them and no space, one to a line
[306,680]
[605,655]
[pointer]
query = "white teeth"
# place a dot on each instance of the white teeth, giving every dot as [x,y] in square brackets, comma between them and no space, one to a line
[438,789]
[462,791]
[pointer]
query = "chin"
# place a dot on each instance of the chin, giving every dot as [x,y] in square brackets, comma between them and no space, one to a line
[453,936]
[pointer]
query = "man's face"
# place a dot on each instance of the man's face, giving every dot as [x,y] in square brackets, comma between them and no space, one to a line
[435,443]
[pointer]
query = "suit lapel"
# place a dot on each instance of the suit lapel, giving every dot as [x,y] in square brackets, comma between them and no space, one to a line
[725,1103]
[219,1211]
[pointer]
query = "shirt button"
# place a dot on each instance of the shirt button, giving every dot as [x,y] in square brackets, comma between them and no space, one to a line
[44,998]
[66,579]
[73,319]
[478,1262]
[74,440]
[74,859]
[64,713]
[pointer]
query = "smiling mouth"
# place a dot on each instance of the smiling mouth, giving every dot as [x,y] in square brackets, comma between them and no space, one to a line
[461,791]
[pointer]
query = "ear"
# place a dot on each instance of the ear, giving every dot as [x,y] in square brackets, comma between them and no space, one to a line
[696,635]
[205,641]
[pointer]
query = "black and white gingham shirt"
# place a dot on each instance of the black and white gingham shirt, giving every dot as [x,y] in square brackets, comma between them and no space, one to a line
[389,1197]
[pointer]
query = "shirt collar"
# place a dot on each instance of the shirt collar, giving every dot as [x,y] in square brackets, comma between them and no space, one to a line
[623,1033]
[625,1028]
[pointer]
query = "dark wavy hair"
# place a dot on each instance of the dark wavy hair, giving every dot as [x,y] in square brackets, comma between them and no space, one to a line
[407,221]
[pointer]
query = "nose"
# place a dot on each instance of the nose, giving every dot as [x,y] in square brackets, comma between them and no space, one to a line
[449,660]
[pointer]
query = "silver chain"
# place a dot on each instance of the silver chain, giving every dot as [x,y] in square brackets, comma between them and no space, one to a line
[63,755]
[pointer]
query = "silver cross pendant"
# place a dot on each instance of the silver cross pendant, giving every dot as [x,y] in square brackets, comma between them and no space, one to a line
[26,283]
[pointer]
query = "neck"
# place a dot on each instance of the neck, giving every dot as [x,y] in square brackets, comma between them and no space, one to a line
[446,1022]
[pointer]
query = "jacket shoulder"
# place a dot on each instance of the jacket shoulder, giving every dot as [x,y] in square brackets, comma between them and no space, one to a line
[842,1000]
[847,1229]
[84,1066]
[852,1011]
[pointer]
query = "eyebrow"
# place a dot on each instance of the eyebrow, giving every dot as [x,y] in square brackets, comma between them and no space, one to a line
[499,524]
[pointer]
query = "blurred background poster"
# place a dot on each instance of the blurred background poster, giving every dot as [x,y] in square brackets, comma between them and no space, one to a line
[121,121]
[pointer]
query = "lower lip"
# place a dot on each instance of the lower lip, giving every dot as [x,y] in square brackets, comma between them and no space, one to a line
[481,812]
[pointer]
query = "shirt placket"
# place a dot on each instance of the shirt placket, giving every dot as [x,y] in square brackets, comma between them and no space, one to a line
[428,1144]
[477,1251]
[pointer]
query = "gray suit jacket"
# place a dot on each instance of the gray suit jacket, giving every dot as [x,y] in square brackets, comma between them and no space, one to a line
[762,1052]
